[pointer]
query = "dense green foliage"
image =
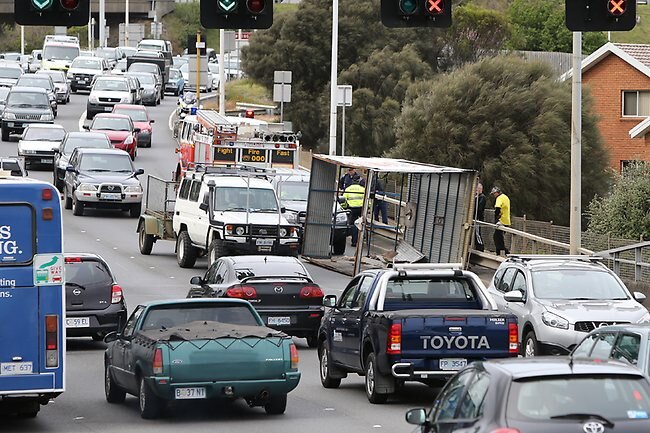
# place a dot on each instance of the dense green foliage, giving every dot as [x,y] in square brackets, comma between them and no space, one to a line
[625,212]
[510,120]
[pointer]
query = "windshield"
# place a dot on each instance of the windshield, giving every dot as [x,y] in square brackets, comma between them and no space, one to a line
[240,199]
[151,46]
[10,73]
[25,81]
[146,79]
[44,134]
[4,91]
[577,285]
[11,166]
[297,191]
[174,74]
[135,115]
[111,85]
[28,99]
[52,52]
[12,56]
[106,162]
[144,67]
[86,64]
[611,397]
[122,51]
[107,53]
[164,318]
[86,140]
[111,123]
[57,77]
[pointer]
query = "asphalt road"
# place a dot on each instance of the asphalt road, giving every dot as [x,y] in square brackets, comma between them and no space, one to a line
[82,408]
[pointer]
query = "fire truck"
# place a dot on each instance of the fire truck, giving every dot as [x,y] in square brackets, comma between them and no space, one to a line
[208,137]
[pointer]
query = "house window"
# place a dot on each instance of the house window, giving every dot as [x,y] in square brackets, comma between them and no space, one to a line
[625,164]
[636,103]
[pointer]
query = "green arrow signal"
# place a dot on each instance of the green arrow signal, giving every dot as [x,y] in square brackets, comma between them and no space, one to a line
[42,4]
[224,5]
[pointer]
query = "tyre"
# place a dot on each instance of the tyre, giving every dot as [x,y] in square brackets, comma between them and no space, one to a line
[277,404]
[89,115]
[530,347]
[5,135]
[325,379]
[162,96]
[186,253]
[145,241]
[112,392]
[215,250]
[135,210]
[30,409]
[339,245]
[57,183]
[67,199]
[150,404]
[77,207]
[370,379]
[312,341]
[73,89]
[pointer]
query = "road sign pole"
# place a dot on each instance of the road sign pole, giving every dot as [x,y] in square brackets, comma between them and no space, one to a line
[126,25]
[576,143]
[198,68]
[282,102]
[102,24]
[222,72]
[334,75]
[343,129]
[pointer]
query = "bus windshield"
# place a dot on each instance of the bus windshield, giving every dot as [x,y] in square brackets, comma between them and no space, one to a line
[57,52]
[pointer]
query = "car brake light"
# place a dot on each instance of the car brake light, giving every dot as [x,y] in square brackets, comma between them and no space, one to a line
[157,361]
[311,292]
[505,430]
[51,341]
[513,338]
[241,292]
[46,194]
[294,357]
[394,346]
[116,294]
[73,259]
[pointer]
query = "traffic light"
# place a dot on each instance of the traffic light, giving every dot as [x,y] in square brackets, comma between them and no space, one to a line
[236,14]
[600,15]
[51,12]
[416,13]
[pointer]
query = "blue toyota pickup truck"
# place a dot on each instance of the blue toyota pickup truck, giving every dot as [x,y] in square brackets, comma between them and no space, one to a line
[411,323]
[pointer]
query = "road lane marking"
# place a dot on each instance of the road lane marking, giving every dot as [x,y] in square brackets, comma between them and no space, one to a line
[169,122]
[81,121]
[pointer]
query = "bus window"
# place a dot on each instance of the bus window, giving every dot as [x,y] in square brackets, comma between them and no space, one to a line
[16,234]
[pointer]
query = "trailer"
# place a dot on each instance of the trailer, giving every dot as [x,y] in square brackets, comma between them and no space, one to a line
[156,221]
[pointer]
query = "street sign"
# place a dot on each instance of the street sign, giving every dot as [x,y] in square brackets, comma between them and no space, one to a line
[191,44]
[282,77]
[229,41]
[282,92]
[344,96]
[244,35]
[200,45]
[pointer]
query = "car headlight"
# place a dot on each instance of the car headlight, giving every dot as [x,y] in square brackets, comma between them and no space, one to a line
[291,217]
[133,188]
[645,318]
[128,140]
[283,232]
[93,99]
[47,117]
[554,321]
[87,187]
[240,231]
[341,218]
[9,116]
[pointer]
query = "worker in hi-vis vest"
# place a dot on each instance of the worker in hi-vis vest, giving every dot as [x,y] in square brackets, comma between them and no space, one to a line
[353,201]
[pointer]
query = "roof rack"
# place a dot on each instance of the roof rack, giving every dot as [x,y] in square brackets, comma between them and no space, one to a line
[229,169]
[427,266]
[529,257]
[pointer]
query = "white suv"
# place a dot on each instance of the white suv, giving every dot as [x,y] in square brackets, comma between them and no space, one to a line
[83,70]
[107,92]
[225,211]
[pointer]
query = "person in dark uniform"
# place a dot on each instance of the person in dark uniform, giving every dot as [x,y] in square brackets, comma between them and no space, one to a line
[479,216]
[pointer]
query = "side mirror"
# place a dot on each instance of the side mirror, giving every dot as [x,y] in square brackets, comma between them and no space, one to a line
[196,280]
[86,127]
[283,210]
[39,56]
[640,297]
[513,296]
[329,301]
[139,171]
[71,169]
[111,336]
[152,121]
[204,206]
[416,416]
[136,130]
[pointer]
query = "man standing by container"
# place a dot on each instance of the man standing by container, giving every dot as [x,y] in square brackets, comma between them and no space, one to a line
[353,200]
[502,218]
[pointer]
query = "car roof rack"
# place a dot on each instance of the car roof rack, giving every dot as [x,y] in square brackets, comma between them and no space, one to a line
[203,168]
[531,257]
[426,266]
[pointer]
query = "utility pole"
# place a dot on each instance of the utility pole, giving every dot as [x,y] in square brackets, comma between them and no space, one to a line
[575,229]
[222,72]
[126,25]
[102,24]
[334,75]
[90,27]
[198,69]
[22,40]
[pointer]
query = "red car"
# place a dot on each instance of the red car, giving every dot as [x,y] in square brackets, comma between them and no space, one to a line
[140,118]
[120,130]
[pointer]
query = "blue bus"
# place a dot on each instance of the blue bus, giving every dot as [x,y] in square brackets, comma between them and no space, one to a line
[32,303]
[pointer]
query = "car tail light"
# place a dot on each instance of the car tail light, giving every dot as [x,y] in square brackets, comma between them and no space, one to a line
[311,292]
[513,338]
[116,294]
[241,292]
[46,194]
[157,361]
[505,430]
[294,356]
[73,259]
[394,346]
[51,341]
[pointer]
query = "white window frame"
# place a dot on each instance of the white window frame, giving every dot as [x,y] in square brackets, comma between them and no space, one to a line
[638,92]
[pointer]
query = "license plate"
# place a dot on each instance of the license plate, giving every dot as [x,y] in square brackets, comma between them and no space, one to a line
[81,80]
[46,161]
[189,393]
[452,364]
[108,108]
[110,196]
[14,368]
[77,322]
[279,320]
[264,242]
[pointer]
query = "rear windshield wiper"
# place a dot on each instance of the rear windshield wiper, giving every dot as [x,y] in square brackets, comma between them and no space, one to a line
[69,283]
[585,416]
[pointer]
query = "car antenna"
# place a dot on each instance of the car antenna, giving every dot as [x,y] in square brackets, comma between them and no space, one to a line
[264,259]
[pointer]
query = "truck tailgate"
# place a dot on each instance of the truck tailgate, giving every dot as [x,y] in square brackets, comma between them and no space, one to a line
[225,359]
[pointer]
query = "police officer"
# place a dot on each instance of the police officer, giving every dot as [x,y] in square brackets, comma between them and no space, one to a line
[353,200]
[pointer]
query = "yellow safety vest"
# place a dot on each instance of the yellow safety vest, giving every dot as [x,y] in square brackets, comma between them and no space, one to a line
[353,196]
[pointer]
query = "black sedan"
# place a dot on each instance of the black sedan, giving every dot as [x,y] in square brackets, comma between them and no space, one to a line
[280,289]
[150,87]
[95,303]
[540,395]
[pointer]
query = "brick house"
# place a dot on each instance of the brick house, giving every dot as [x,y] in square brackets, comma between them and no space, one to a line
[618,78]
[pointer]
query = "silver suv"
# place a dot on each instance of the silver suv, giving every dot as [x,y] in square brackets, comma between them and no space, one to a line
[559,299]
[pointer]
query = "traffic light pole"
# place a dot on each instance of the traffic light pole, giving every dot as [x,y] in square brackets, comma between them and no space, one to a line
[334,75]
[102,24]
[576,144]
[222,72]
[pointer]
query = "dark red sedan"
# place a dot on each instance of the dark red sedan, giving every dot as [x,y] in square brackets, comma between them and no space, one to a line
[120,130]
